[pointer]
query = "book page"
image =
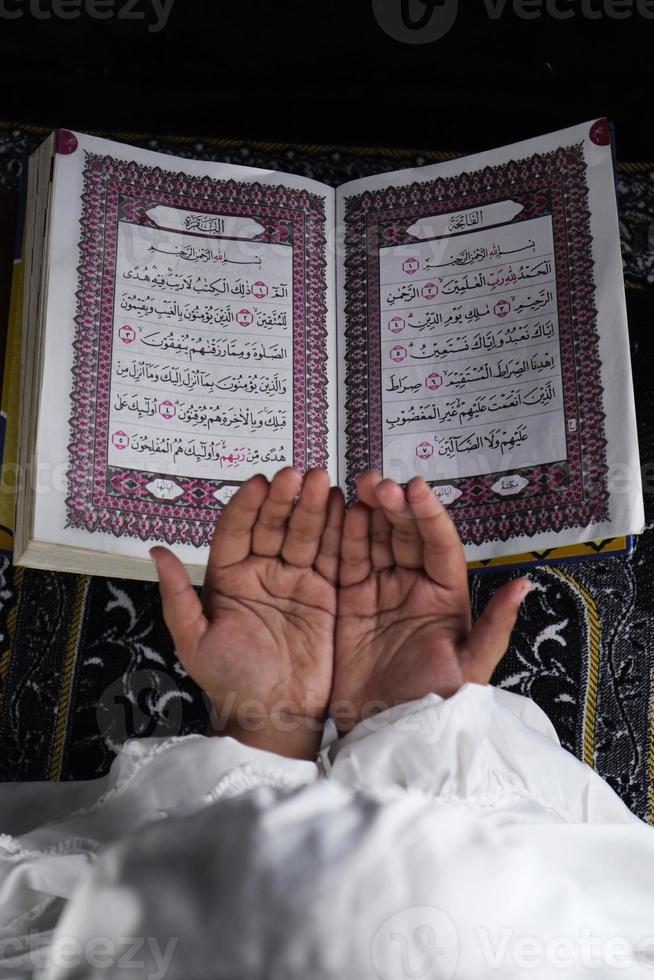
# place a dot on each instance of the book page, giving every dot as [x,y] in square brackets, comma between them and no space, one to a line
[189,343]
[483,341]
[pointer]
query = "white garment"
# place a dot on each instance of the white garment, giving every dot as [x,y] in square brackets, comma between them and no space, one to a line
[442,838]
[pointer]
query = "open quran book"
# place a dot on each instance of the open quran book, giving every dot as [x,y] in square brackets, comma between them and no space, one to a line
[189,324]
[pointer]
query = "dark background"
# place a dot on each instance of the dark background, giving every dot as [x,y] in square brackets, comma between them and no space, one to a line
[325,72]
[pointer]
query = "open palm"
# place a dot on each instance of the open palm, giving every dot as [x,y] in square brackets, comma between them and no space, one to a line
[404,625]
[260,643]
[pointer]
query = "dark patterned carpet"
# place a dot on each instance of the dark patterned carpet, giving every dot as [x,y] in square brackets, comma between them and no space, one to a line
[87,662]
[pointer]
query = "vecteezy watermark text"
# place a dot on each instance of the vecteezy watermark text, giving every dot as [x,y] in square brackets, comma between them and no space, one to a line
[425,21]
[153,12]
[423,942]
[145,957]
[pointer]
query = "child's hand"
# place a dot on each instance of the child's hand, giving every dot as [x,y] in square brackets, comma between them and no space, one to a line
[403,627]
[261,642]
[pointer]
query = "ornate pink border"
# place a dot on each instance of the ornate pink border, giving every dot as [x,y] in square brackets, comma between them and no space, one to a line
[569,493]
[115,501]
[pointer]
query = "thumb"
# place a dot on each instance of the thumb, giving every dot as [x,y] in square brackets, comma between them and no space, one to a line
[182,608]
[489,637]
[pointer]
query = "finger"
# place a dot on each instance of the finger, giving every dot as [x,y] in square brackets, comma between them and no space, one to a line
[307,521]
[355,546]
[270,529]
[443,555]
[489,638]
[366,484]
[330,543]
[381,552]
[232,538]
[406,541]
[182,608]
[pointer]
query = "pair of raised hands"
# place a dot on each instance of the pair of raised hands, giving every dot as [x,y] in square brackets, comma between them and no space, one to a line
[309,608]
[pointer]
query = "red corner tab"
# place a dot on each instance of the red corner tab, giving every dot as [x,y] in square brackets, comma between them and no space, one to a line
[600,134]
[66,141]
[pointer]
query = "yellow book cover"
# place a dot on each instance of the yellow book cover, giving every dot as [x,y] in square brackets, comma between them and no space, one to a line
[550,556]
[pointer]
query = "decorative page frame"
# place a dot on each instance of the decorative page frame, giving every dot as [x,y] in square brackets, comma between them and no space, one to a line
[564,494]
[116,501]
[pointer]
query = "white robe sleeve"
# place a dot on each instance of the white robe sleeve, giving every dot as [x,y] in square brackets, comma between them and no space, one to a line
[486,749]
[450,838]
[50,833]
[334,883]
